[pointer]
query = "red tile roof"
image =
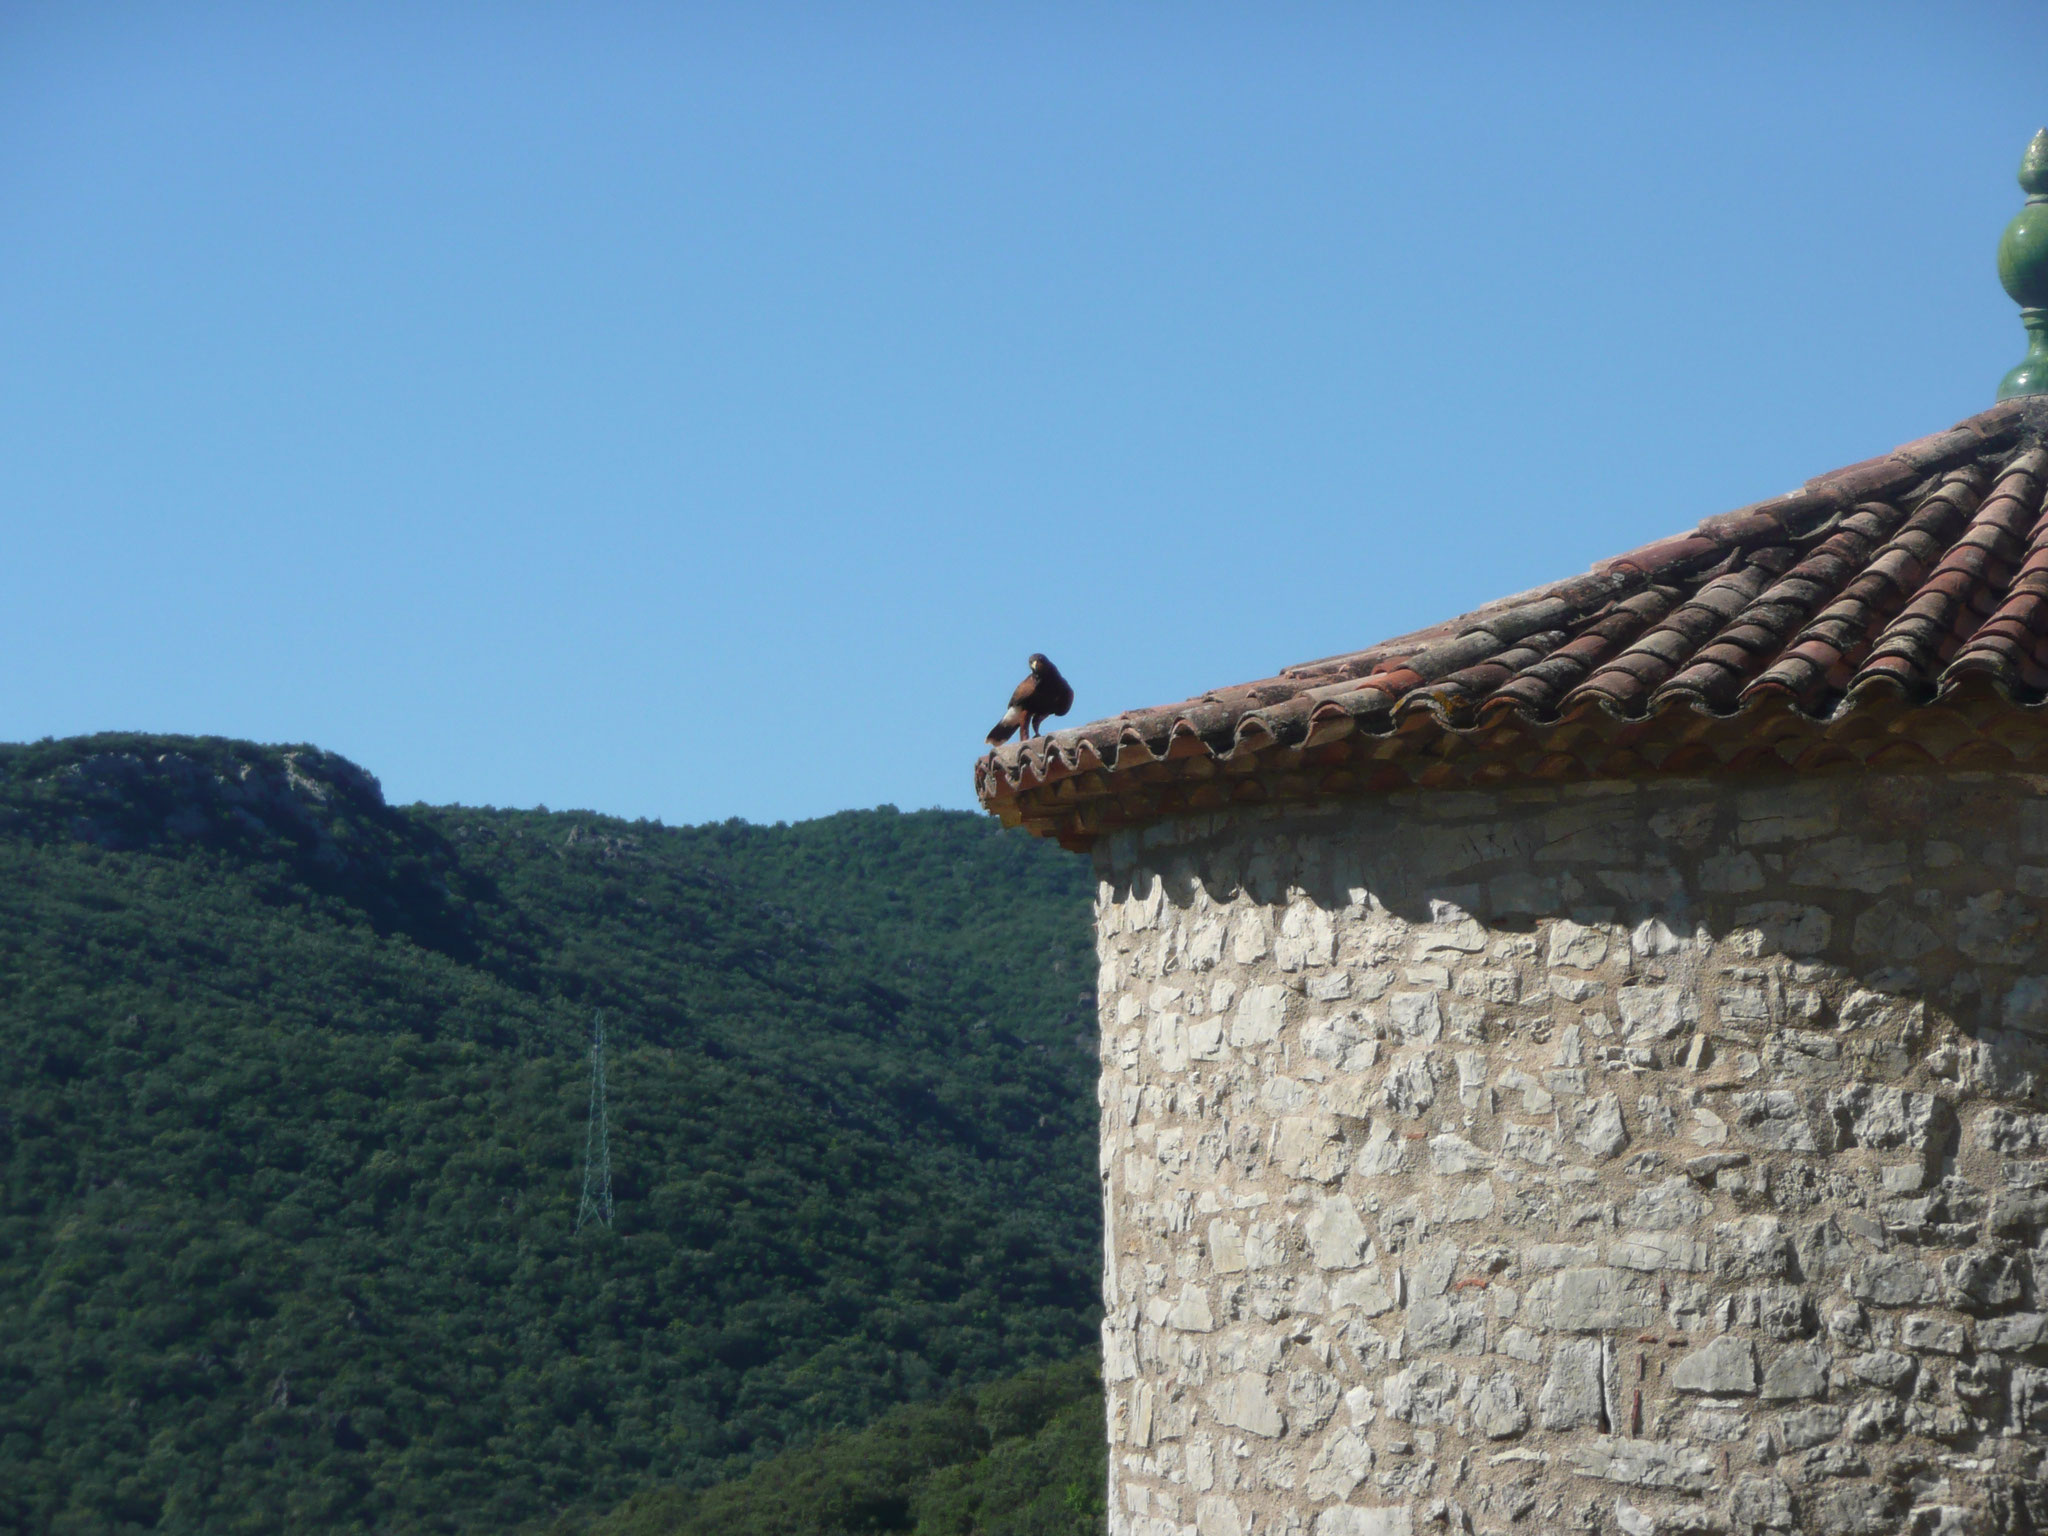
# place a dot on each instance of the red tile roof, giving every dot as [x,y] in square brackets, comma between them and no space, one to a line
[1892,613]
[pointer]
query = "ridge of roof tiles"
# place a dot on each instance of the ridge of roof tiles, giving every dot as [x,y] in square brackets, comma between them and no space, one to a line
[1892,612]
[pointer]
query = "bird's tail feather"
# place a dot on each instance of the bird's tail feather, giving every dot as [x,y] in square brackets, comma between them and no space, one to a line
[1006,727]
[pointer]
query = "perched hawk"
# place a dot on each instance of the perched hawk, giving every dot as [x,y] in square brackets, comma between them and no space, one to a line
[1043,693]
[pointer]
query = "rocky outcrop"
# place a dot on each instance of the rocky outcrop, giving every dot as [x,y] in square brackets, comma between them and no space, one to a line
[314,812]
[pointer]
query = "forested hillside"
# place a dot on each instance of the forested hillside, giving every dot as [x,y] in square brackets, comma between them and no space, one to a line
[292,1106]
[1024,1456]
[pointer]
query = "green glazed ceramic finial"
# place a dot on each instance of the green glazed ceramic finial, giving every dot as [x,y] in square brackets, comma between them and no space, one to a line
[2023,268]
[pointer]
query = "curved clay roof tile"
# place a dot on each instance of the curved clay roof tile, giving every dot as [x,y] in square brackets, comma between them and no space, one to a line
[1883,586]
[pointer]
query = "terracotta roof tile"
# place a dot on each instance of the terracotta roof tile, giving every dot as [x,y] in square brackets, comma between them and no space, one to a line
[1787,635]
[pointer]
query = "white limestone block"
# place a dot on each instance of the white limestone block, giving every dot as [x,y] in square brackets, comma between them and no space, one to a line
[1576,947]
[1244,1402]
[1259,1016]
[1724,1366]
[1337,1239]
[1574,1390]
[1645,1463]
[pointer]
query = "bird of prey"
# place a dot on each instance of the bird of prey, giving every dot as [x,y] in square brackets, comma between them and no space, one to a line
[1043,693]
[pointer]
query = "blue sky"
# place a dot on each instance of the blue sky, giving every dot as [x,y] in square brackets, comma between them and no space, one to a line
[696,411]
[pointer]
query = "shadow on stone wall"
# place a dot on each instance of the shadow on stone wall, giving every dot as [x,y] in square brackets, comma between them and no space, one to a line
[1925,890]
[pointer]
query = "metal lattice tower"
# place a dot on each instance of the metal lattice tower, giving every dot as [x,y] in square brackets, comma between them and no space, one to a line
[597,1141]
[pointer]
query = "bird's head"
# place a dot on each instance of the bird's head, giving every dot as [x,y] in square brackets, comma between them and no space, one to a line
[1038,664]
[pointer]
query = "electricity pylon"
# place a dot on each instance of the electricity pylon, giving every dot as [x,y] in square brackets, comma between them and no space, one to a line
[597,1140]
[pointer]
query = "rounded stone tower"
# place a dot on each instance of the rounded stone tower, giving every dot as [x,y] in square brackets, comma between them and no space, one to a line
[1584,1067]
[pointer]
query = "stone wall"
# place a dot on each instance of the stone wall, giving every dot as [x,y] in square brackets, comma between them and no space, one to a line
[1644,1157]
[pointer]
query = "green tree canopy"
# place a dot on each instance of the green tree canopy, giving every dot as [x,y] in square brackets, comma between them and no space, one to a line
[292,1106]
